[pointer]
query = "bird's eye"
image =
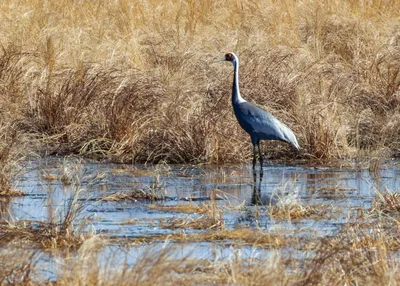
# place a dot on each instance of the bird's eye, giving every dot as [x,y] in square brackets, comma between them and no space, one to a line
[228,57]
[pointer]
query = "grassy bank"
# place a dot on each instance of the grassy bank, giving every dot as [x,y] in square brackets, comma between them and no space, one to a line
[128,80]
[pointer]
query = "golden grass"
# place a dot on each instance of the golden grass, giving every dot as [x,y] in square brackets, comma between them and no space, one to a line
[202,222]
[358,255]
[132,195]
[235,237]
[182,208]
[12,153]
[11,193]
[17,269]
[285,203]
[211,218]
[65,233]
[386,202]
[160,267]
[292,211]
[362,253]
[40,234]
[49,177]
[155,192]
[137,81]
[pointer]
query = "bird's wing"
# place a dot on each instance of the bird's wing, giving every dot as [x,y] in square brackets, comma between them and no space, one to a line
[267,126]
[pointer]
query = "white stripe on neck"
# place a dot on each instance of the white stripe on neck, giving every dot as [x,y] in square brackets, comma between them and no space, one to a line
[236,68]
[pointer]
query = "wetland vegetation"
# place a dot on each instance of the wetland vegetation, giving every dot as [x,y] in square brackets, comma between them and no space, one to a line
[88,82]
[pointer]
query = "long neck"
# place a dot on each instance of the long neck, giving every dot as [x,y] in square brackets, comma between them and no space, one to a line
[236,98]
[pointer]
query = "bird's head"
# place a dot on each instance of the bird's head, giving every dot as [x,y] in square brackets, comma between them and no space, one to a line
[229,57]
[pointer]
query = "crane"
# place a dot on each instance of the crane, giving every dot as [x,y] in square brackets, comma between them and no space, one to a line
[258,123]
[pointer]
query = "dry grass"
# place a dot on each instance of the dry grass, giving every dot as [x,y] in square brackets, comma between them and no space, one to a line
[386,202]
[359,254]
[160,267]
[135,81]
[67,232]
[286,203]
[202,222]
[212,218]
[291,211]
[17,269]
[182,208]
[134,195]
[12,154]
[155,192]
[234,237]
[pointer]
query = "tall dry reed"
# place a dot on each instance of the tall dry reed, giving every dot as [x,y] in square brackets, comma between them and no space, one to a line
[128,80]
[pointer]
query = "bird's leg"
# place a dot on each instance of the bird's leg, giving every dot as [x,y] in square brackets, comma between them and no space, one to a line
[254,157]
[256,197]
[260,157]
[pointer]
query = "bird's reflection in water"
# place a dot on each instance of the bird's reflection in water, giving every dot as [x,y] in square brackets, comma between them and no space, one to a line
[251,216]
[256,197]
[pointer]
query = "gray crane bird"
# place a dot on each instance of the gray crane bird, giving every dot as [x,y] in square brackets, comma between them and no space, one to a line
[260,124]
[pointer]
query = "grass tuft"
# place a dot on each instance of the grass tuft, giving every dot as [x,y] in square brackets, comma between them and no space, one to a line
[386,202]
[65,233]
[121,85]
[134,195]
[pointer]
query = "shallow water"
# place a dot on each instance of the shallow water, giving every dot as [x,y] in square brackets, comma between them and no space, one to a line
[345,190]
[339,191]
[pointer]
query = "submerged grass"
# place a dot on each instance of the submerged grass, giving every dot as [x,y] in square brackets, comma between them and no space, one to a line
[162,267]
[134,195]
[211,218]
[234,237]
[360,254]
[135,81]
[202,222]
[65,233]
[363,251]
[286,203]
[182,208]
[291,211]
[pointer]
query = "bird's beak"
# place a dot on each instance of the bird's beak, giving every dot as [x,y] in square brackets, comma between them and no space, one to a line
[220,60]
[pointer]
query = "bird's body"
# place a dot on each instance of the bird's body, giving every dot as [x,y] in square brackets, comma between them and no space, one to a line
[258,123]
[262,125]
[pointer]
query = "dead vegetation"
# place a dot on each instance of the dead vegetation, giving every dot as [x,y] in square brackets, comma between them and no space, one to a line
[120,84]
[285,203]
[292,211]
[359,254]
[12,153]
[364,251]
[182,208]
[17,269]
[234,237]
[135,195]
[211,218]
[161,267]
[386,202]
[65,233]
[202,222]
